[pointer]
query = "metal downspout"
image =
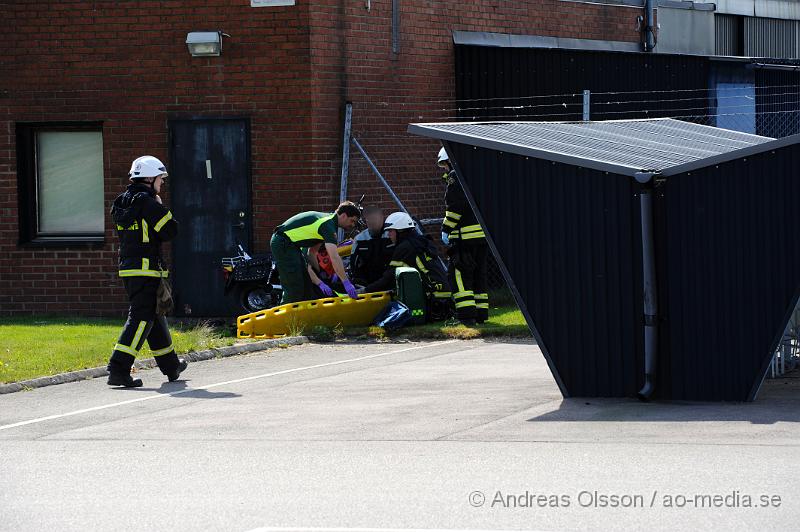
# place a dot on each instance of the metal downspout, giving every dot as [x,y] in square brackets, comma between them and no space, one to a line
[649,25]
[650,303]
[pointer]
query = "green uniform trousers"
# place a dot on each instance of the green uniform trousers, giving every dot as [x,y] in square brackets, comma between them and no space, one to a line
[292,269]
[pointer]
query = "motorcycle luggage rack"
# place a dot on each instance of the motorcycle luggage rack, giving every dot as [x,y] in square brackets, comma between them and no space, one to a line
[252,270]
[232,261]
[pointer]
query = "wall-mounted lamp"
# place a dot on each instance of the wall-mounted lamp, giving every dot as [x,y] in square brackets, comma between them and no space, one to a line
[205,43]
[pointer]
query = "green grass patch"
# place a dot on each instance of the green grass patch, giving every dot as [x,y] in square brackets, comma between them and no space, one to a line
[37,347]
[504,321]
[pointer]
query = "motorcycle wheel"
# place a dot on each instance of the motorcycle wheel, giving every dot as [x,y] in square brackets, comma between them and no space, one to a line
[253,298]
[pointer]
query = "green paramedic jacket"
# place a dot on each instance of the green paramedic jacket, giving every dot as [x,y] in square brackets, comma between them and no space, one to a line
[308,228]
[460,222]
[415,251]
[142,224]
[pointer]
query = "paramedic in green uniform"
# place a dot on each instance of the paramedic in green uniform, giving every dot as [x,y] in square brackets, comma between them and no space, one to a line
[294,236]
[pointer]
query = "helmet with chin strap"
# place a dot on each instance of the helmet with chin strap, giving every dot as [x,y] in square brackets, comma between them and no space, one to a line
[146,167]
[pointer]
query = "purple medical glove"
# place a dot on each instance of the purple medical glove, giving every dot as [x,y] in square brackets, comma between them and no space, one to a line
[325,289]
[350,289]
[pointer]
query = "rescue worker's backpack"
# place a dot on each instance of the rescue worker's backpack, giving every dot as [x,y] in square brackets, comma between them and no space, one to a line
[125,211]
[411,293]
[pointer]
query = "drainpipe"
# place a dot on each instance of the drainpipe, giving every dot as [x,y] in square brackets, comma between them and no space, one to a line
[650,303]
[649,25]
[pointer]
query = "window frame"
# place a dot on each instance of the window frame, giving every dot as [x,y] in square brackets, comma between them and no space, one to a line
[28,184]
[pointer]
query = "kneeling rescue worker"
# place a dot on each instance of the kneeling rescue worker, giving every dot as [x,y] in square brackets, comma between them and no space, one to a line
[143,223]
[304,231]
[414,251]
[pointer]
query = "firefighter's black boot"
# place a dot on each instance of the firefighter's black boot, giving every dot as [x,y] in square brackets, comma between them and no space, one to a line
[171,366]
[119,371]
[173,375]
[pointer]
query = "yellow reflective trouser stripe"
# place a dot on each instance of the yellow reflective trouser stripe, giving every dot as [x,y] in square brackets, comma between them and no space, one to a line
[482,305]
[442,294]
[142,273]
[453,215]
[449,223]
[308,232]
[472,236]
[460,281]
[138,337]
[421,265]
[145,232]
[132,349]
[462,304]
[167,217]
[125,349]
[465,293]
[161,352]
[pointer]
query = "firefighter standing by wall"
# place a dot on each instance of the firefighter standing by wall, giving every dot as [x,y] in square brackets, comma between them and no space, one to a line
[305,230]
[466,248]
[143,223]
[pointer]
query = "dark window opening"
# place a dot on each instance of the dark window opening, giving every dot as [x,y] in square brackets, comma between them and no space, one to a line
[60,181]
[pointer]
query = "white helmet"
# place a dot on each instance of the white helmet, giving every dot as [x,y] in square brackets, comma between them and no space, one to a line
[443,157]
[399,221]
[147,166]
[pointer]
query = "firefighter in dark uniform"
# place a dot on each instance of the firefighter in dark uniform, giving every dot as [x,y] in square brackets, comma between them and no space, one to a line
[372,249]
[414,251]
[143,223]
[298,236]
[466,248]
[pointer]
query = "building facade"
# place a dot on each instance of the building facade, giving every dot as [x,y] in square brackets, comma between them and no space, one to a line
[251,136]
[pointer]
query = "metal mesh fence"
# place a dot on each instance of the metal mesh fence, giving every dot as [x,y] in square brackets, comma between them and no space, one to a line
[408,162]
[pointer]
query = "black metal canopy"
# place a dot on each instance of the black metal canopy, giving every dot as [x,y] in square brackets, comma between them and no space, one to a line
[688,272]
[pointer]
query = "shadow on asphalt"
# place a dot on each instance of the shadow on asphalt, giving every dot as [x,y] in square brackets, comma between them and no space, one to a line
[778,401]
[180,389]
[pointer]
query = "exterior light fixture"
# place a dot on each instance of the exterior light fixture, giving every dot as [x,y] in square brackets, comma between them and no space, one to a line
[204,43]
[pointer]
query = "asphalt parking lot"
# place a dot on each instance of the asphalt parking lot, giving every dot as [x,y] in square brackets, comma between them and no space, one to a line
[441,435]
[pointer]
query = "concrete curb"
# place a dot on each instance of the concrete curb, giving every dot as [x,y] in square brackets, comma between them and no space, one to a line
[148,363]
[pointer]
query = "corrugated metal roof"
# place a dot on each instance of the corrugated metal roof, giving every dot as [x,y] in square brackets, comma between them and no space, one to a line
[620,146]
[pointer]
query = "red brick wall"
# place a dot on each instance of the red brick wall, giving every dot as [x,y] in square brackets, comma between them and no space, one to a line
[417,84]
[290,69]
[126,63]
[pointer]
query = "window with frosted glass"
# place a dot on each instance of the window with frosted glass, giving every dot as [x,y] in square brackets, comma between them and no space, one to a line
[69,183]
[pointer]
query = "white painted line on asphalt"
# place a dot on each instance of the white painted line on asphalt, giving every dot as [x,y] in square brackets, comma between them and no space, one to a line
[217,385]
[313,529]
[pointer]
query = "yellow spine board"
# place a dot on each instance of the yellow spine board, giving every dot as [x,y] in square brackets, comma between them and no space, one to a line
[332,311]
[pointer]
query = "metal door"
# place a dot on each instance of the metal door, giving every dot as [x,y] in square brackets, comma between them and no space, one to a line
[210,197]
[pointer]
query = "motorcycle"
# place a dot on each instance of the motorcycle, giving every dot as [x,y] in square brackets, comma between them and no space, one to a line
[254,281]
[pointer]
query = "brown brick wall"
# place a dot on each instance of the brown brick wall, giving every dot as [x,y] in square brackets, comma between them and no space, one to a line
[290,69]
[126,64]
[390,90]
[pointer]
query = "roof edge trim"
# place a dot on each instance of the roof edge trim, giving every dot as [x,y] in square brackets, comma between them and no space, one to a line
[731,155]
[511,40]
[424,130]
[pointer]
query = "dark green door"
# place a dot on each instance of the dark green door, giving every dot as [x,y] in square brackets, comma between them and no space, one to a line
[209,182]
